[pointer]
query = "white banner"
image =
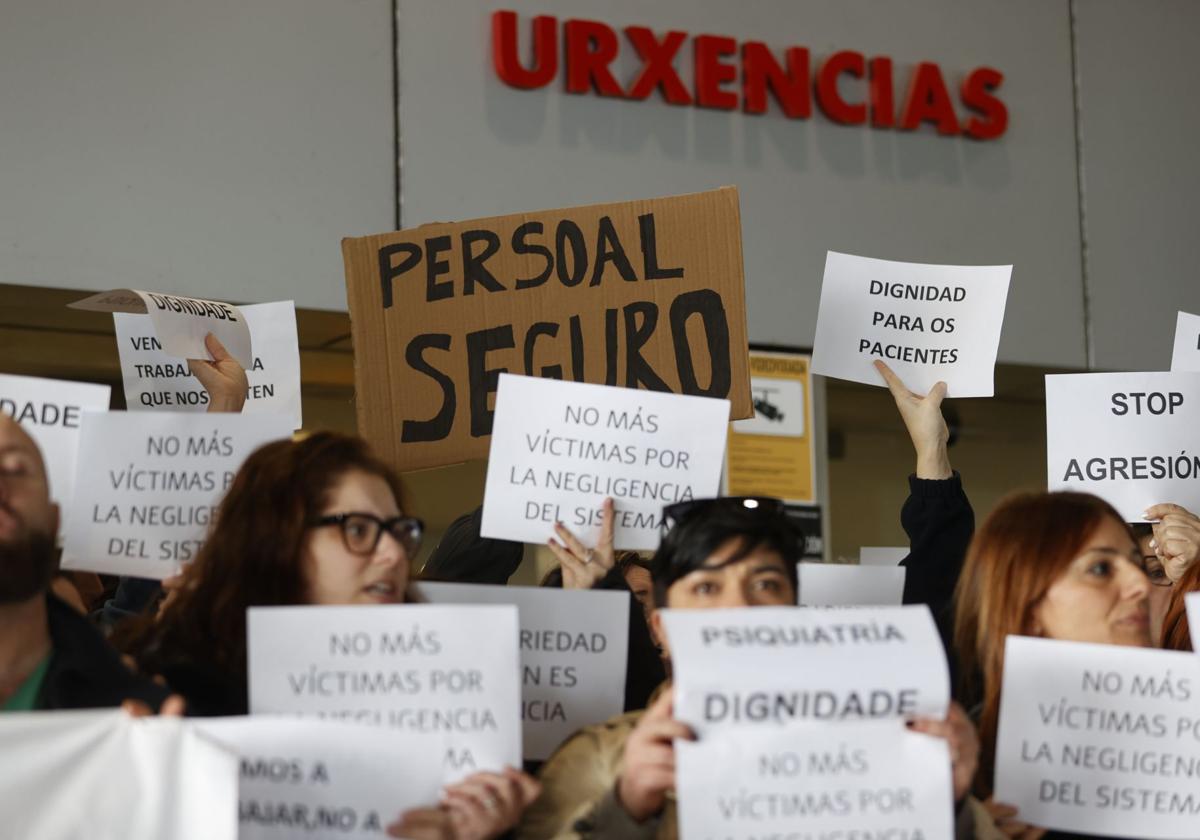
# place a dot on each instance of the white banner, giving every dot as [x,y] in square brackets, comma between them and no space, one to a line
[585,442]
[180,323]
[1129,438]
[882,555]
[323,780]
[448,674]
[574,645]
[769,666]
[156,380]
[1186,355]
[847,585]
[148,483]
[849,780]
[108,776]
[50,411]
[928,322]
[1100,739]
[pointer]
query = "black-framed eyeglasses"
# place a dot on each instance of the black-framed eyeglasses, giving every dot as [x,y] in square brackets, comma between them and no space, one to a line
[676,513]
[361,532]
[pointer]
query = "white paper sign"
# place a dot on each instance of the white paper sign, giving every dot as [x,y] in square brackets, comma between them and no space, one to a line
[1100,739]
[450,675]
[559,448]
[50,410]
[882,555]
[156,380]
[574,645]
[148,483]
[1186,356]
[845,585]
[323,779]
[864,779]
[104,774]
[180,323]
[1129,438]
[928,322]
[770,666]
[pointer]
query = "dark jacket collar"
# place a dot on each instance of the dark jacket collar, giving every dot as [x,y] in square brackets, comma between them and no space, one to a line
[85,672]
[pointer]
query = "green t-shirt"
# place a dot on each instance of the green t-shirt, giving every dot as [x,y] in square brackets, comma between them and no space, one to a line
[27,693]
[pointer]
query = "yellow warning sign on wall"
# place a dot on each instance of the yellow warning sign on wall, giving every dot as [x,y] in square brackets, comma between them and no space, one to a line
[772,453]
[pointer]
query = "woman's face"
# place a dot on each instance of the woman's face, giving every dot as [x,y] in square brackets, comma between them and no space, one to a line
[1101,596]
[336,575]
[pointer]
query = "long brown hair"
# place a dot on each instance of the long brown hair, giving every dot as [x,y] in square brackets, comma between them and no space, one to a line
[252,555]
[1019,551]
[1175,632]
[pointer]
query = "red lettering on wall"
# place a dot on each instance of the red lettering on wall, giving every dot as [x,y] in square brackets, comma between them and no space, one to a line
[761,72]
[658,69]
[712,72]
[591,47]
[719,62]
[928,101]
[977,95]
[504,51]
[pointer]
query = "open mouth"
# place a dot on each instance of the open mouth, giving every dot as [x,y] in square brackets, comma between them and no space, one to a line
[381,589]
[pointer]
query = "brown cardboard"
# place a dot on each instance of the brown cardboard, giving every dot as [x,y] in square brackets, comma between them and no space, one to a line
[411,350]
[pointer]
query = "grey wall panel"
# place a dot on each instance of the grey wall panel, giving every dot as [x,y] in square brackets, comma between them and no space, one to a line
[473,146]
[1139,123]
[218,148]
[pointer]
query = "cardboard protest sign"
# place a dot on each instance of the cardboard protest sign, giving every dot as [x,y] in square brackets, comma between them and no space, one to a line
[180,323]
[324,779]
[148,484]
[845,585]
[573,653]
[446,674]
[50,410]
[773,453]
[1186,356]
[769,666]
[643,294]
[1129,438]
[882,555]
[863,779]
[588,442]
[106,774]
[929,323]
[156,380]
[1100,739]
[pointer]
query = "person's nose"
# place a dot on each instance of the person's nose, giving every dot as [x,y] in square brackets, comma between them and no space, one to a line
[389,551]
[1135,586]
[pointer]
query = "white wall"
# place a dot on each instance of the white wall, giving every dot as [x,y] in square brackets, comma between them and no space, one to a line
[220,147]
[472,146]
[1140,127]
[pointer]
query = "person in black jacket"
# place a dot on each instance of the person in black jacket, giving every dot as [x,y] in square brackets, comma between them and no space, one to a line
[50,656]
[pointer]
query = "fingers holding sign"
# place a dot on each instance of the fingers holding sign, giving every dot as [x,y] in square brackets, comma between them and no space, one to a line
[223,378]
[649,770]
[486,805]
[583,567]
[922,416]
[1176,538]
[959,734]
[1007,821]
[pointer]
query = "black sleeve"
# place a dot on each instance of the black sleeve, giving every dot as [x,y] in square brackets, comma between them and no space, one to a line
[939,522]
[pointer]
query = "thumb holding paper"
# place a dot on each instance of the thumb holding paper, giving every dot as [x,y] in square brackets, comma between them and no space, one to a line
[223,378]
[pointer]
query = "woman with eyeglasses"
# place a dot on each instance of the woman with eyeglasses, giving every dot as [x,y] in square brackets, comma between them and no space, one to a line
[319,521]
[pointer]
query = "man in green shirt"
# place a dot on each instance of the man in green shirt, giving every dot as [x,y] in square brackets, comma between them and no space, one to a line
[50,656]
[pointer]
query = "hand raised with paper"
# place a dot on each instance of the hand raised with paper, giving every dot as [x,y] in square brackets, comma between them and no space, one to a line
[583,567]
[224,378]
[1176,538]
[960,736]
[922,416]
[649,770]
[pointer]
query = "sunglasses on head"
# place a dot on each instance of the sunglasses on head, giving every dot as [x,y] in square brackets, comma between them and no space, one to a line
[679,512]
